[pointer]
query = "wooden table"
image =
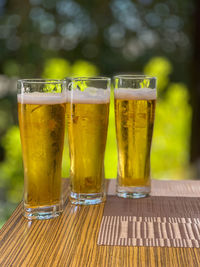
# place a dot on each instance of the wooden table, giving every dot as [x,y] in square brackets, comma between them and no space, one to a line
[71,240]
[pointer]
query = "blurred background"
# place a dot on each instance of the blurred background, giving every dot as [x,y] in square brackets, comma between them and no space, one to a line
[59,38]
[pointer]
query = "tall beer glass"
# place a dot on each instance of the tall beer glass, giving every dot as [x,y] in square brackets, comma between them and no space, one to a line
[41,112]
[87,117]
[135,102]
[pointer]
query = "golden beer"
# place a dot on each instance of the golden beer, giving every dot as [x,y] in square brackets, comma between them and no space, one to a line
[87,129]
[134,116]
[42,126]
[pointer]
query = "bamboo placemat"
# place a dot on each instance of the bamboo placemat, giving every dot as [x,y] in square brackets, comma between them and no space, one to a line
[169,217]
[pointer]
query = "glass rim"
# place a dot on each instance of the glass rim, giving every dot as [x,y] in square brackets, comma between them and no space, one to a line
[134,76]
[92,78]
[41,81]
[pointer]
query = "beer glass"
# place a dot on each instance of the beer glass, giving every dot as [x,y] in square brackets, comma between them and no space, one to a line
[87,118]
[135,102]
[41,113]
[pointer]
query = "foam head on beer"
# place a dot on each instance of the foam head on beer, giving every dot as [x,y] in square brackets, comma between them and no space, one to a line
[136,94]
[90,95]
[37,98]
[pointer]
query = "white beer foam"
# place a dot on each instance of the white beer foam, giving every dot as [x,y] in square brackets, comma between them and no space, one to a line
[41,98]
[89,96]
[136,94]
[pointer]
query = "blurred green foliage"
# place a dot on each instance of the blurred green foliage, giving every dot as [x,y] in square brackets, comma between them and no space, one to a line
[56,68]
[11,170]
[111,147]
[170,158]
[161,68]
[11,68]
[84,68]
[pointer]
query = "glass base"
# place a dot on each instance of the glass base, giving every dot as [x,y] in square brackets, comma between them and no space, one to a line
[133,191]
[43,212]
[87,199]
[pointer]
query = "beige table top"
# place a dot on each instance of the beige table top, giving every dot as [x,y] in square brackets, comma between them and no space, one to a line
[71,240]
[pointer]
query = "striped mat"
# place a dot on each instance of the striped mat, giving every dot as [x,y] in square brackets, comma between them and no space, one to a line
[170,217]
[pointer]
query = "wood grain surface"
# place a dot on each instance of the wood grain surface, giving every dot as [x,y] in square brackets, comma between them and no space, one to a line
[71,240]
